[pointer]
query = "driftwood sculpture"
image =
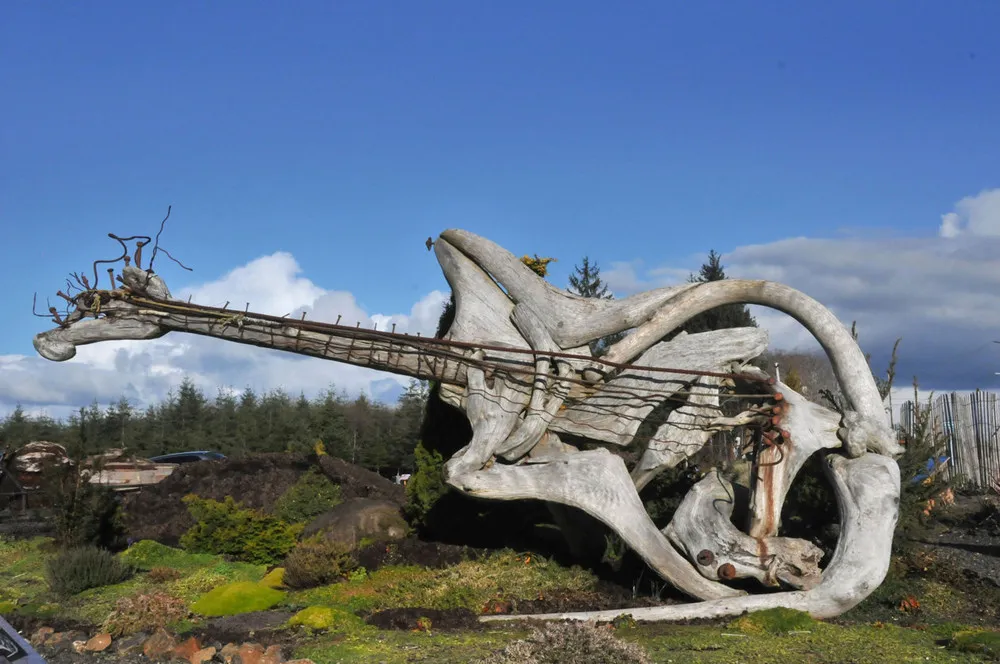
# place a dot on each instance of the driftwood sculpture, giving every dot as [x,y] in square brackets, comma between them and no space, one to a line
[545,414]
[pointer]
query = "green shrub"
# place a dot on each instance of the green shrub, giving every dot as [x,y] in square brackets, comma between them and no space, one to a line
[236,598]
[75,570]
[580,643]
[84,514]
[426,485]
[144,613]
[317,562]
[275,578]
[227,528]
[311,496]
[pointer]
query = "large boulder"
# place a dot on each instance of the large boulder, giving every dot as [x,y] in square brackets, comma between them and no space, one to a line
[359,518]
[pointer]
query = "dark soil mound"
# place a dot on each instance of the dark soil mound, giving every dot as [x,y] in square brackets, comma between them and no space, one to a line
[257,481]
[412,618]
[413,551]
[358,482]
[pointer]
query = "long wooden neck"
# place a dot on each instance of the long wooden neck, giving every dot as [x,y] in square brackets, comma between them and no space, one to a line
[418,357]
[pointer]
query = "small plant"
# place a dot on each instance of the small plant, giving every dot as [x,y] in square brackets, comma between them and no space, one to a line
[83,513]
[144,613]
[75,570]
[580,643]
[311,496]
[236,598]
[162,575]
[425,486]
[317,562]
[323,618]
[227,528]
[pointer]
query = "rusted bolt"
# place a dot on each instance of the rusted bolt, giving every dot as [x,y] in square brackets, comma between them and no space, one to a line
[786,434]
[776,420]
[778,396]
[777,410]
[727,571]
[770,435]
[705,557]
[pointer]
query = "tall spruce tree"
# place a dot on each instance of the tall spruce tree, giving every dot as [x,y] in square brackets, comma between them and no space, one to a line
[586,282]
[720,318]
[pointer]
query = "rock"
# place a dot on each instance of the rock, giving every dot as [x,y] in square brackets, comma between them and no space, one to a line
[228,653]
[359,518]
[98,642]
[64,640]
[203,655]
[79,647]
[41,635]
[249,653]
[159,645]
[131,644]
[272,655]
[187,648]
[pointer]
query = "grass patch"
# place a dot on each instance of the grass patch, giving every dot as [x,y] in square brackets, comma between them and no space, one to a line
[22,569]
[976,641]
[147,555]
[777,622]
[469,584]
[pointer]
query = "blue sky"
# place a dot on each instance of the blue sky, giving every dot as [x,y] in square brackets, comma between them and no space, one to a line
[642,134]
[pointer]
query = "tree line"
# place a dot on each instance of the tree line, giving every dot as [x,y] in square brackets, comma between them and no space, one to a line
[375,435]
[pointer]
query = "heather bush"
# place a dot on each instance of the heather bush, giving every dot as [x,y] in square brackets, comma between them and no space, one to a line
[77,569]
[317,562]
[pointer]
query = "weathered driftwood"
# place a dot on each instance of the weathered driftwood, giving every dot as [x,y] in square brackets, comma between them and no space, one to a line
[867,491]
[517,361]
[702,529]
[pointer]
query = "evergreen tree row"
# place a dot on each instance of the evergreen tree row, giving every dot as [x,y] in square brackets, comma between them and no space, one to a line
[377,436]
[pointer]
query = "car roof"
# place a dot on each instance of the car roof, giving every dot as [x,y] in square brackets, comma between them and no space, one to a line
[192,453]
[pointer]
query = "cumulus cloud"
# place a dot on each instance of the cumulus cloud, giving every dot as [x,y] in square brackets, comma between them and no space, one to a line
[145,371]
[941,294]
[973,215]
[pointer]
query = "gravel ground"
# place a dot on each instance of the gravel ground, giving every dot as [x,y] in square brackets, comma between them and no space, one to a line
[969,551]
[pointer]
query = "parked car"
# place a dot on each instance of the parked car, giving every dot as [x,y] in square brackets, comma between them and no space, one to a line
[188,457]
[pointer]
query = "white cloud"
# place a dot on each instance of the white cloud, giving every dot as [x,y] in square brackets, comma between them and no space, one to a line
[940,294]
[973,215]
[145,371]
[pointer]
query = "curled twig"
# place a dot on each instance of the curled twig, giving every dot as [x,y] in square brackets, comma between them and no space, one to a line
[156,243]
[175,260]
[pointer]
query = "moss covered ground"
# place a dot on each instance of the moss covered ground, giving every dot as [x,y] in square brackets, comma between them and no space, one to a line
[947,623]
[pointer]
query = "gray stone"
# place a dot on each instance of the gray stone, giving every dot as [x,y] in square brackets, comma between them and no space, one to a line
[359,518]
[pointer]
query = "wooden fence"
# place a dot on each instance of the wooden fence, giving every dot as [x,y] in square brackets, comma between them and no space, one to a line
[970,426]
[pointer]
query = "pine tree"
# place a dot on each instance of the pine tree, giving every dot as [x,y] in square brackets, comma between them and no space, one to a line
[720,318]
[586,282]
